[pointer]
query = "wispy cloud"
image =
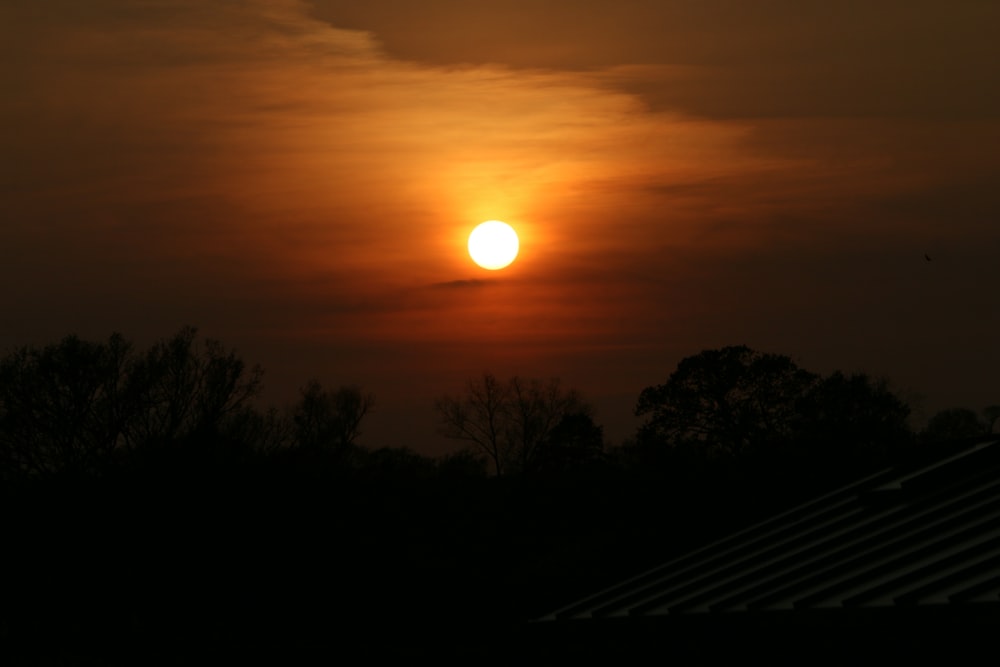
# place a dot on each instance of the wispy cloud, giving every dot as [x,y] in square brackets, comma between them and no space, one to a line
[462,284]
[310,171]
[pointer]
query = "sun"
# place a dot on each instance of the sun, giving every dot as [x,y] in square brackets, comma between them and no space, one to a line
[493,245]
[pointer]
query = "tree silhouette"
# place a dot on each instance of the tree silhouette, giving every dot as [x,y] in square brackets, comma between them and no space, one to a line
[536,409]
[266,431]
[510,422]
[179,388]
[954,424]
[331,420]
[735,402]
[63,407]
[724,402]
[991,413]
[575,442]
[74,405]
[479,417]
[851,418]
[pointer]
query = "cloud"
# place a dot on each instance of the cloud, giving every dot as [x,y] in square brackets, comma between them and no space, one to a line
[208,136]
[463,284]
[679,174]
[723,58]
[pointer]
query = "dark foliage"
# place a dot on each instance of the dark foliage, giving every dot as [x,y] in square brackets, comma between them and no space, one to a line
[738,407]
[330,419]
[194,524]
[65,407]
[75,406]
[956,424]
[725,402]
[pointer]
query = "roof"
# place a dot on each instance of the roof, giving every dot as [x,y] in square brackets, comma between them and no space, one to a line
[920,537]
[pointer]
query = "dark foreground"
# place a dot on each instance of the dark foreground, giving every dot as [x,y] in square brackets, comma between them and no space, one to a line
[296,559]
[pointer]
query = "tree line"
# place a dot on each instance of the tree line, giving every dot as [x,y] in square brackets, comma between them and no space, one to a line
[149,503]
[77,406]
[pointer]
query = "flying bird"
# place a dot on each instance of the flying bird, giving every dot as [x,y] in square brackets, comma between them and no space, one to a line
[927,257]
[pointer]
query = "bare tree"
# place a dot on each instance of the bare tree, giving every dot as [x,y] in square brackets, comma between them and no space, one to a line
[536,408]
[62,407]
[179,388]
[266,431]
[330,419]
[511,422]
[479,416]
[71,406]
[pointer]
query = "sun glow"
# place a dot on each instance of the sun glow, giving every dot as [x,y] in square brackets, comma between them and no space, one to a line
[493,245]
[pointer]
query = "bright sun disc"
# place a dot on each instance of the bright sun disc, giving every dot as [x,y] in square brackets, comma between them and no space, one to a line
[493,245]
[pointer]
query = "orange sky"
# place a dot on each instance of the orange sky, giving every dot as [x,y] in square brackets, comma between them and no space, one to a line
[299,178]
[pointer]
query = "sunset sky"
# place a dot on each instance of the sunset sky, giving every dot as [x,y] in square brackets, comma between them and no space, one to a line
[298,179]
